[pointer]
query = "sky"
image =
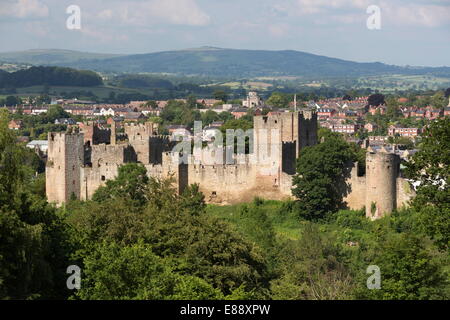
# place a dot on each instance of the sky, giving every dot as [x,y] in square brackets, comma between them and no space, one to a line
[411,32]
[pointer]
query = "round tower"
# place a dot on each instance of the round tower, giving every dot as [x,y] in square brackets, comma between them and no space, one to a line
[381,183]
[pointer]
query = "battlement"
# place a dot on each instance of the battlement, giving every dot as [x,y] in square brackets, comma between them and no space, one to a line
[146,129]
[63,136]
[308,114]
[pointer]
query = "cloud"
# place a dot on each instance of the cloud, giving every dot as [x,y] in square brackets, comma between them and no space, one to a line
[417,15]
[23,8]
[305,7]
[102,35]
[37,28]
[151,12]
[278,30]
[396,12]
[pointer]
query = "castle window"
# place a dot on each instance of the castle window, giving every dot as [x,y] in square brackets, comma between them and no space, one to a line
[214,193]
[276,121]
[73,182]
[73,168]
[103,178]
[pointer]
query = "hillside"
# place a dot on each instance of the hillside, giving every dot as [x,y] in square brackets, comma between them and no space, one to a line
[220,63]
[216,62]
[50,56]
[49,76]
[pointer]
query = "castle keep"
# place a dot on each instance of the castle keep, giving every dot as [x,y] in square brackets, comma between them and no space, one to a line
[80,162]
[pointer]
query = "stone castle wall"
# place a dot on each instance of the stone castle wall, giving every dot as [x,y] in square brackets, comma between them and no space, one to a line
[78,169]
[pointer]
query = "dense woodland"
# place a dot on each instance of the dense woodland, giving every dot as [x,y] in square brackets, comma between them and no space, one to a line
[50,76]
[138,239]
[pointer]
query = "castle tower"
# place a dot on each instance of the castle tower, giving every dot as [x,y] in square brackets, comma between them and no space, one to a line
[65,159]
[382,169]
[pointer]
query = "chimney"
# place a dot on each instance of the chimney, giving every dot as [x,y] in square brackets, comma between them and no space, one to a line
[113,133]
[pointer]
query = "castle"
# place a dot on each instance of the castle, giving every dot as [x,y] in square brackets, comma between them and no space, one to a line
[80,162]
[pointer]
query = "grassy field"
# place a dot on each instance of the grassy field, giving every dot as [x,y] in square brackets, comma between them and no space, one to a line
[286,225]
[403,82]
[249,85]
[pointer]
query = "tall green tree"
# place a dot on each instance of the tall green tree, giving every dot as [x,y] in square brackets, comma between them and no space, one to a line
[320,181]
[430,167]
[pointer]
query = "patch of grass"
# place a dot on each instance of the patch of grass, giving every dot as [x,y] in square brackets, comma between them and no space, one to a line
[284,221]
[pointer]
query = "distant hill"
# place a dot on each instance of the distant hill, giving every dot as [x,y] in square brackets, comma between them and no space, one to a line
[55,76]
[227,63]
[50,56]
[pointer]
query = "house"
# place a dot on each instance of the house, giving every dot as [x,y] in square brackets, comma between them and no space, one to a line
[238,112]
[39,110]
[134,116]
[209,103]
[79,111]
[66,121]
[433,114]
[15,124]
[370,127]
[179,132]
[403,132]
[373,110]
[376,140]
[41,145]
[345,128]
[117,120]
[229,106]
[325,113]
[446,111]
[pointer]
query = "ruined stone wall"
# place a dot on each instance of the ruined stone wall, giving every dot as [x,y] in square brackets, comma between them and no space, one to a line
[405,192]
[105,155]
[95,134]
[355,195]
[139,137]
[141,129]
[93,178]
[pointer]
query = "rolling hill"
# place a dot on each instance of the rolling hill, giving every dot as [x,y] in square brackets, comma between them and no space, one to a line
[50,56]
[227,63]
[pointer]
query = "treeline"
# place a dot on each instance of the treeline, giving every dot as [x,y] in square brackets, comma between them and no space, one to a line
[55,76]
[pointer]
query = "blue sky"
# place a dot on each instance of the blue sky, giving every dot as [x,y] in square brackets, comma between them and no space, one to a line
[413,32]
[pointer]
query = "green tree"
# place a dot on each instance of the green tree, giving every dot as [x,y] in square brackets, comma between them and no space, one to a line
[278,100]
[430,167]
[220,95]
[313,268]
[131,184]
[134,272]
[319,183]
[34,245]
[409,271]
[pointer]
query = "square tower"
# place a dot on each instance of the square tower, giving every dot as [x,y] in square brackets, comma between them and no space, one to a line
[65,159]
